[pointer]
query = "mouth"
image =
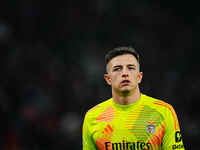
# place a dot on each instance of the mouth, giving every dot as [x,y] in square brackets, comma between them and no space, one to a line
[125,82]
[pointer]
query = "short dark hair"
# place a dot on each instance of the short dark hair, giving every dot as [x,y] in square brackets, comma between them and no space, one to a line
[120,51]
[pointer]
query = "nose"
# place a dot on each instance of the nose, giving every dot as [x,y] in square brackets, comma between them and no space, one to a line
[124,73]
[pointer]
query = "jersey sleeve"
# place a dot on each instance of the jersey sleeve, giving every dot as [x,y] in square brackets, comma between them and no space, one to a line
[87,141]
[172,139]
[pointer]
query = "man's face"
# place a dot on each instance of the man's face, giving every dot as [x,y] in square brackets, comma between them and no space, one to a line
[123,73]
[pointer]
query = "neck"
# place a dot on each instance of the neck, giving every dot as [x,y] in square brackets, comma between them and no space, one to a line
[131,98]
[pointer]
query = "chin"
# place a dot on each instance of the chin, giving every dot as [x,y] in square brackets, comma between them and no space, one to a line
[126,88]
[125,92]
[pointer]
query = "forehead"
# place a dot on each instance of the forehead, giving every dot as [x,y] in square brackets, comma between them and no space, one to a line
[123,60]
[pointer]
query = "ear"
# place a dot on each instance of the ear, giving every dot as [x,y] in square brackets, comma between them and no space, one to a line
[107,78]
[140,75]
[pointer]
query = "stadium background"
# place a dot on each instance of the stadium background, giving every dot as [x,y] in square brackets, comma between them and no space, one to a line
[52,64]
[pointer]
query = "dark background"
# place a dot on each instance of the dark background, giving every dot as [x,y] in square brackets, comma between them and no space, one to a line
[52,64]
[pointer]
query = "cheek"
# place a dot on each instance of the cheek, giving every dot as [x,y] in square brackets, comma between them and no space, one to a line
[115,79]
[136,77]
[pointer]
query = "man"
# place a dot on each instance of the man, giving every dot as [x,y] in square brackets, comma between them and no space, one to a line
[129,120]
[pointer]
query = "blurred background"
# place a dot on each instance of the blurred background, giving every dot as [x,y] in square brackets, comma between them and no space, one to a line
[52,64]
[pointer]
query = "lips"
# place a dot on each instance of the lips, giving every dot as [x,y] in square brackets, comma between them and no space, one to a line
[125,82]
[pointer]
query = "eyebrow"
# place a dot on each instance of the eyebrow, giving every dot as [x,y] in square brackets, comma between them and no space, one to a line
[129,65]
[117,66]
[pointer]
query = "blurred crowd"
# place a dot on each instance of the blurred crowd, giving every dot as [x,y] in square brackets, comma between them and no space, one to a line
[52,65]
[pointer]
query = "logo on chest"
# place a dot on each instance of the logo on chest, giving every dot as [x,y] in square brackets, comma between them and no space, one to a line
[150,129]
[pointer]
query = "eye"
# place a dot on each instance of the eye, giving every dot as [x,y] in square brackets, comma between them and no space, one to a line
[116,69]
[131,68]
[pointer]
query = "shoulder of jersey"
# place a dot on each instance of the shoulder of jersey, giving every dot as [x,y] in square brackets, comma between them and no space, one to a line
[100,107]
[156,102]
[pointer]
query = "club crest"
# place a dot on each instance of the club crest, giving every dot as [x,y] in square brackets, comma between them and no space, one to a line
[150,129]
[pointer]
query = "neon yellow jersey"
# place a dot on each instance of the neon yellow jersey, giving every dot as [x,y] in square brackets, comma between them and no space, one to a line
[148,124]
